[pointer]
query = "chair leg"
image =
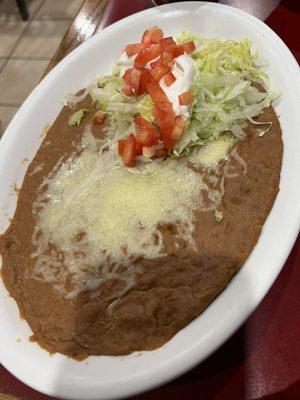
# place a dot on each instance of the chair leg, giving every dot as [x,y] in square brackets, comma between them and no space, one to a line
[23,9]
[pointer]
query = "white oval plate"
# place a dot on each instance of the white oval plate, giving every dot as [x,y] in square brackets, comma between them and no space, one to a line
[117,377]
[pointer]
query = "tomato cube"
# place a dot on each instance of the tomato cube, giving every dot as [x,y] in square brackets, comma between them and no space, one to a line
[147,55]
[169,79]
[159,71]
[133,49]
[132,77]
[180,121]
[165,106]
[143,123]
[176,133]
[166,42]
[186,98]
[138,150]
[178,51]
[169,143]
[156,63]
[189,47]
[145,77]
[167,58]
[146,137]
[127,90]
[129,151]
[146,39]
[121,146]
[164,119]
[135,80]
[156,92]
[179,128]
[152,35]
[156,35]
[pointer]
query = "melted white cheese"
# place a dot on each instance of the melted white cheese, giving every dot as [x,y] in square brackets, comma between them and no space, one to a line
[211,153]
[118,210]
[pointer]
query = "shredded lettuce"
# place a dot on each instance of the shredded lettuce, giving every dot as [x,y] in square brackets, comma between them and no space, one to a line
[76,118]
[108,95]
[229,56]
[225,89]
[229,90]
[145,107]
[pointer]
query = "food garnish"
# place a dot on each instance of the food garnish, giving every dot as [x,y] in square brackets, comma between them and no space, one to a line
[77,117]
[190,90]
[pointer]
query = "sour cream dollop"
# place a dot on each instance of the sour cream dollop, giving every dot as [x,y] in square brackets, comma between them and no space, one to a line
[184,70]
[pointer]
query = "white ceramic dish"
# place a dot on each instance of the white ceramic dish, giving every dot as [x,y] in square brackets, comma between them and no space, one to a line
[117,377]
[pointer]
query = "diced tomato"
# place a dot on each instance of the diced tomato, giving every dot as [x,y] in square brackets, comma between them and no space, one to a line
[180,121]
[147,134]
[167,58]
[156,63]
[148,151]
[169,79]
[138,149]
[135,80]
[147,55]
[146,39]
[165,106]
[132,77]
[159,71]
[147,137]
[189,47]
[143,123]
[164,119]
[156,92]
[129,151]
[127,76]
[176,133]
[127,90]
[174,50]
[158,115]
[178,51]
[169,143]
[133,49]
[179,127]
[145,77]
[121,146]
[186,98]
[156,35]
[166,42]
[152,35]
[98,118]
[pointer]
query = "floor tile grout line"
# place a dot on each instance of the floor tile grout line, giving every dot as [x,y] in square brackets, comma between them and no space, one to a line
[10,104]
[30,58]
[54,19]
[21,35]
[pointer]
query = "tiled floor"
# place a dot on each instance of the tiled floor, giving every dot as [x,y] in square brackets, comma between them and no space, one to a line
[27,47]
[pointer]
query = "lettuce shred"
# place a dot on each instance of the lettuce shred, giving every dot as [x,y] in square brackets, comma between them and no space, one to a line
[145,108]
[226,94]
[108,95]
[229,90]
[77,117]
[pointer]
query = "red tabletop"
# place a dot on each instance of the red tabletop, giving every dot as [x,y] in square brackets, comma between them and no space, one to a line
[262,360]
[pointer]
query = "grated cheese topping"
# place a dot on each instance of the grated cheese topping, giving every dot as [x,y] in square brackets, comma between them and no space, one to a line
[93,214]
